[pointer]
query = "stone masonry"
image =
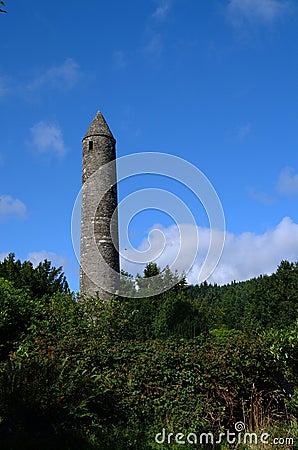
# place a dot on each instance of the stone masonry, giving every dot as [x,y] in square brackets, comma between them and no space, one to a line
[98,230]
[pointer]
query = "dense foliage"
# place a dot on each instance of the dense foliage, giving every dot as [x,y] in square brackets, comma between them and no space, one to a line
[39,281]
[89,374]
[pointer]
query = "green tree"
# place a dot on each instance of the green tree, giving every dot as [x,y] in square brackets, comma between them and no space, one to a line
[39,281]
[156,281]
[15,315]
[127,284]
[176,317]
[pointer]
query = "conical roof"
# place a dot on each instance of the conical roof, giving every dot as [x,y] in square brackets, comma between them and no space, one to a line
[99,127]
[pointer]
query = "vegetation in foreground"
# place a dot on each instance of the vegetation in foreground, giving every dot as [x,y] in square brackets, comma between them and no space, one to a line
[87,374]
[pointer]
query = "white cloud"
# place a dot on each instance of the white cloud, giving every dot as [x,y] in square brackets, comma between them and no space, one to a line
[47,138]
[11,208]
[63,77]
[162,10]
[37,257]
[288,182]
[266,11]
[154,44]
[248,254]
[245,256]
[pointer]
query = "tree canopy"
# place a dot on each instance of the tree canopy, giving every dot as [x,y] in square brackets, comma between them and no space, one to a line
[39,281]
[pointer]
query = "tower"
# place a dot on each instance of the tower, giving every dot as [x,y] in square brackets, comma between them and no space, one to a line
[99,257]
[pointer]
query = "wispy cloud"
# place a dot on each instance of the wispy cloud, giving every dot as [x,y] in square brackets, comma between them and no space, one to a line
[154,47]
[162,10]
[288,182]
[11,208]
[245,255]
[243,131]
[47,138]
[154,43]
[63,77]
[40,256]
[260,11]
[260,196]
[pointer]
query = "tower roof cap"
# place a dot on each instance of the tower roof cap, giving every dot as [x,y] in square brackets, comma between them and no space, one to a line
[99,127]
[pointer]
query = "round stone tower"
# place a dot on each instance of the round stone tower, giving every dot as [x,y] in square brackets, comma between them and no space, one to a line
[99,257]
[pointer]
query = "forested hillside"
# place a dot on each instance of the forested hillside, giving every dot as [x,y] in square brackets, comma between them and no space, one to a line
[133,372]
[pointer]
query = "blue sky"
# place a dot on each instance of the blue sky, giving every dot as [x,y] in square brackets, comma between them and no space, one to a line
[213,82]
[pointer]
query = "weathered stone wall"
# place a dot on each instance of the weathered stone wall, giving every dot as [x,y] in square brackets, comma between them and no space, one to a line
[99,153]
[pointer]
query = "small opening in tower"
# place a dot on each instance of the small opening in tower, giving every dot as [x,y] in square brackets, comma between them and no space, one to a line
[90,145]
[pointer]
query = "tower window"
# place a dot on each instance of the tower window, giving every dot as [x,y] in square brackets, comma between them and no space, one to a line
[90,145]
